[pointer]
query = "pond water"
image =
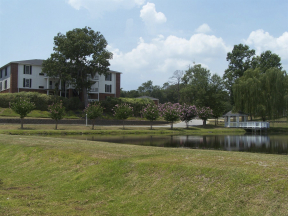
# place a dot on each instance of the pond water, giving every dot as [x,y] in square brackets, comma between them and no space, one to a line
[248,143]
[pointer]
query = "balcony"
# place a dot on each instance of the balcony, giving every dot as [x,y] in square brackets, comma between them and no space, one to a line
[96,77]
[92,100]
[94,90]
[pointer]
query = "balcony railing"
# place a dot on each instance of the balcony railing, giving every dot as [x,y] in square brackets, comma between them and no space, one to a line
[96,77]
[92,100]
[93,90]
[248,124]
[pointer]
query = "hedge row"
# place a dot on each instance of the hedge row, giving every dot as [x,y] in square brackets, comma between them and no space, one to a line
[41,100]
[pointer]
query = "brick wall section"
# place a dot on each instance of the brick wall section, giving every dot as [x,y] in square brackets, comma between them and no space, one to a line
[79,121]
[14,78]
[102,96]
[117,85]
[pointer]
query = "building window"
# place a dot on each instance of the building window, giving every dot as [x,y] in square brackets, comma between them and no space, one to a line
[0,73]
[27,69]
[6,71]
[27,83]
[108,88]
[5,84]
[0,86]
[108,77]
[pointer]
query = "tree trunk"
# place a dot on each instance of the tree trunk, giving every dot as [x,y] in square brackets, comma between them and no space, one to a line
[123,124]
[21,122]
[85,98]
[151,125]
[93,122]
[187,123]
[56,125]
[172,125]
[204,122]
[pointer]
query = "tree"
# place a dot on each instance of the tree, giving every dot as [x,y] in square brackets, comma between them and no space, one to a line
[196,81]
[22,107]
[261,94]
[240,60]
[146,88]
[187,113]
[266,61]
[151,113]
[122,111]
[77,54]
[170,112]
[204,113]
[57,112]
[93,112]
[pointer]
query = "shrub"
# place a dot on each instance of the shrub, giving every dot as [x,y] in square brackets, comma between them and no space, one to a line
[150,112]
[122,111]
[170,112]
[188,112]
[204,113]
[93,111]
[22,107]
[57,112]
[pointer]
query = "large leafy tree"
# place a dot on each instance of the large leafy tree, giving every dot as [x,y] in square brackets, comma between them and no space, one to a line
[240,60]
[266,61]
[78,53]
[262,94]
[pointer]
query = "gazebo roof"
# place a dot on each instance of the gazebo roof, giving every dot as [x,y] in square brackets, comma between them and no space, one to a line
[231,114]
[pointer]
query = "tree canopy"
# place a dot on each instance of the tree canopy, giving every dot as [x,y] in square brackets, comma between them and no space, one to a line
[78,53]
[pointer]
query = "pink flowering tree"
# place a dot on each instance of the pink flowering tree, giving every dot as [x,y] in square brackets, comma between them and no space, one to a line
[188,112]
[56,112]
[22,107]
[150,112]
[204,113]
[170,112]
[122,111]
[93,112]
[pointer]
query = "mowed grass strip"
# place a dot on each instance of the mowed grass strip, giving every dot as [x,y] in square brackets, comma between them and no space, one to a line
[55,176]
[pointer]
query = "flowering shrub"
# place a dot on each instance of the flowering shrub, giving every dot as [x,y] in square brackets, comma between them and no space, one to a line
[150,112]
[23,108]
[93,111]
[122,111]
[204,113]
[170,112]
[188,112]
[57,112]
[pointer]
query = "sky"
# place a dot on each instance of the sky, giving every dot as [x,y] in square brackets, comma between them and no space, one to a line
[149,39]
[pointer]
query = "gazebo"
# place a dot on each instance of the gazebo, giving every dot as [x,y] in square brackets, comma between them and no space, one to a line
[232,119]
[240,120]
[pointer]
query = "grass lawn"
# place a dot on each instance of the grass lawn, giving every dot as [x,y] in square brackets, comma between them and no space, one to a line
[55,176]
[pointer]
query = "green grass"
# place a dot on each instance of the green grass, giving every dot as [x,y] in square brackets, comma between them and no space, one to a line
[54,176]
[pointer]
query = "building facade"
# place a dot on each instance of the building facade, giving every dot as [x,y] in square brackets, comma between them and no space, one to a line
[19,76]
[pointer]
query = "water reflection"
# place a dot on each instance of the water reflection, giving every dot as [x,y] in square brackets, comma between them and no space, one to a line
[248,143]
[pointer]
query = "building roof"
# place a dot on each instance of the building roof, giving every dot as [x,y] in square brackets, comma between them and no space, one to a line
[148,97]
[38,62]
[231,114]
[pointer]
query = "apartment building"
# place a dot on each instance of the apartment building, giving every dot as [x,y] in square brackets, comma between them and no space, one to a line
[19,76]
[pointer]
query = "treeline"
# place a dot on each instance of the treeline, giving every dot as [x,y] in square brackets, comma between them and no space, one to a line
[253,84]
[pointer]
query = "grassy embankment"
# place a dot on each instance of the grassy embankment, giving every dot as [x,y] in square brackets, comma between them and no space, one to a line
[54,176]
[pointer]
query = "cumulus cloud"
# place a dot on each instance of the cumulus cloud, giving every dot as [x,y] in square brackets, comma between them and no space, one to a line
[203,28]
[150,16]
[262,41]
[158,59]
[98,7]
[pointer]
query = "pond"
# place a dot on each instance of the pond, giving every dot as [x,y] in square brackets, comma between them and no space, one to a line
[247,143]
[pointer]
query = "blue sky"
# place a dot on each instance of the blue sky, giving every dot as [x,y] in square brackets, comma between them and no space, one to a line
[149,39]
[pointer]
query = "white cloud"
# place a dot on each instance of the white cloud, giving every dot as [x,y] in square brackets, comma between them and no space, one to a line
[98,7]
[150,16]
[262,41]
[158,59]
[204,28]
